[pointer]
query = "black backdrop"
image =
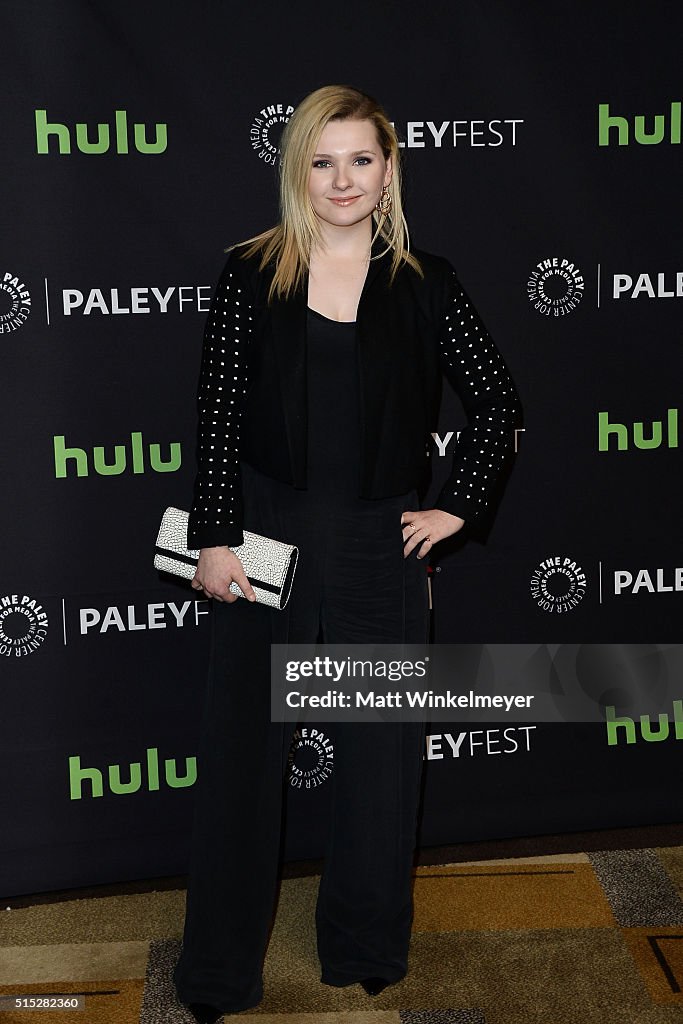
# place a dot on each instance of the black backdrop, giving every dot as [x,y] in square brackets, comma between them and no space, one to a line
[107,261]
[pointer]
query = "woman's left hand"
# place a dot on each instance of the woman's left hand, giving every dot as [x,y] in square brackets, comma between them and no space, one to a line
[427,528]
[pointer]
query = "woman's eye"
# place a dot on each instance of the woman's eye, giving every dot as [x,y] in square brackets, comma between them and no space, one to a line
[360,160]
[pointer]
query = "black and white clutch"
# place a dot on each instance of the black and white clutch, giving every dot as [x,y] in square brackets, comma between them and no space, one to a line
[268,564]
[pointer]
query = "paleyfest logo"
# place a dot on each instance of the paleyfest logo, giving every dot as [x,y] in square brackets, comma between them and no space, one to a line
[23,625]
[558,584]
[555,286]
[266,131]
[15,303]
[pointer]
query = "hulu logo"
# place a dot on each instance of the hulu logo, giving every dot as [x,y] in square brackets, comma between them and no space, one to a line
[607,123]
[123,456]
[134,782]
[105,136]
[647,731]
[655,436]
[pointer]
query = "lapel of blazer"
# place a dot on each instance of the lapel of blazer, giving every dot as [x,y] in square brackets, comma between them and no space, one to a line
[371,310]
[373,336]
[288,320]
[379,265]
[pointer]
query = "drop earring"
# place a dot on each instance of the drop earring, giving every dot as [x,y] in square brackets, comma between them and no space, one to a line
[385,202]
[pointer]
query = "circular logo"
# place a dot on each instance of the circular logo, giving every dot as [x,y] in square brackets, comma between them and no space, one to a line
[23,625]
[15,303]
[311,759]
[555,287]
[558,584]
[266,131]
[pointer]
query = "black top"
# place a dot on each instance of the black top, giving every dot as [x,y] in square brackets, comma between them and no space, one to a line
[333,393]
[411,332]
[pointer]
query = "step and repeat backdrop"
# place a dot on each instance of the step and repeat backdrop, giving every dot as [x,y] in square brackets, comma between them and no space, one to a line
[542,154]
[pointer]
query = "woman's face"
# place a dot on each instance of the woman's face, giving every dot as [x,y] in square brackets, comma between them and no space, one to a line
[347,173]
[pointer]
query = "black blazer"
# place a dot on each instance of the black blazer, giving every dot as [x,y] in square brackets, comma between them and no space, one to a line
[252,391]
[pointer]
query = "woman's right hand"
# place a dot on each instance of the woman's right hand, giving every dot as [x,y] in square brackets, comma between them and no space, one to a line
[217,568]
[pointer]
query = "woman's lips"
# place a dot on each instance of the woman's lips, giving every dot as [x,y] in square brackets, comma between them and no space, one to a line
[346,201]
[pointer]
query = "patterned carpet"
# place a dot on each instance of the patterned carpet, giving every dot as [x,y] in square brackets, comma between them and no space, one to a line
[563,939]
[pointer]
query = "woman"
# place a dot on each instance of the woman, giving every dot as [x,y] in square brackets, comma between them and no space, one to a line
[320,383]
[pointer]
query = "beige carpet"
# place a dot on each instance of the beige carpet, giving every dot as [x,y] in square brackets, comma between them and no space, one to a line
[567,939]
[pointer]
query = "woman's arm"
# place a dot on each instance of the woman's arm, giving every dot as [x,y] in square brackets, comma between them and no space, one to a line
[216,517]
[476,370]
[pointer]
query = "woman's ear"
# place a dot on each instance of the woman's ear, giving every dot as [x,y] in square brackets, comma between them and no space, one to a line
[389,171]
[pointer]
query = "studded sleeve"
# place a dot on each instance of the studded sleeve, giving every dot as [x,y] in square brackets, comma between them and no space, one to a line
[475,368]
[216,517]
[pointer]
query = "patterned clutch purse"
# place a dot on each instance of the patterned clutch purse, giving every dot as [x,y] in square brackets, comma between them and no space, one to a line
[268,564]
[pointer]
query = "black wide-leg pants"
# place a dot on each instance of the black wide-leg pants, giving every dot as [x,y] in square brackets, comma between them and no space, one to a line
[352,585]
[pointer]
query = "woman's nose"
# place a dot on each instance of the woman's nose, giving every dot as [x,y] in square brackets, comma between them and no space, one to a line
[342,179]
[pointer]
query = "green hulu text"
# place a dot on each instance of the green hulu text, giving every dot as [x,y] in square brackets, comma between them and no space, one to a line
[100,139]
[124,456]
[647,131]
[625,727]
[91,781]
[655,434]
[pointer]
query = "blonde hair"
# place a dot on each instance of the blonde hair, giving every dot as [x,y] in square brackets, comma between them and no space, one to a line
[289,243]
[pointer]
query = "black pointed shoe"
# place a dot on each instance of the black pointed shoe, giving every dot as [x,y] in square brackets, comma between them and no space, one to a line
[373,986]
[205,1013]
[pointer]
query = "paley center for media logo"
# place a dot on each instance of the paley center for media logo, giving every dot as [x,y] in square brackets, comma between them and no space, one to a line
[15,302]
[555,286]
[55,137]
[311,758]
[558,584]
[23,625]
[266,130]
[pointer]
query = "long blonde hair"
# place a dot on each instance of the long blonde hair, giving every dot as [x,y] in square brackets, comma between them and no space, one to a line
[289,243]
